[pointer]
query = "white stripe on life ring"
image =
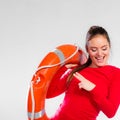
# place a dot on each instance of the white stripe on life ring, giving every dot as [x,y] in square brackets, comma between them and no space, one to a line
[61,56]
[37,114]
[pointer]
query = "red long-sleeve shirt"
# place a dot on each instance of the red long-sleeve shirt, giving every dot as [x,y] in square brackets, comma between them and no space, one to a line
[79,104]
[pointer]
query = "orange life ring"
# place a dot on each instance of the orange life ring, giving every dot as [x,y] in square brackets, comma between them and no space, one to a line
[62,55]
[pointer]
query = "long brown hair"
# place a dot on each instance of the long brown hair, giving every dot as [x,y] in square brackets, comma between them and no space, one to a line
[92,32]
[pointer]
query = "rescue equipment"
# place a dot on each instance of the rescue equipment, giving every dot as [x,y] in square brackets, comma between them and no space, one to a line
[63,54]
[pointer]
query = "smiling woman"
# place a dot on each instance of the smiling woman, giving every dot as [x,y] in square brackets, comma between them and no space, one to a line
[92,87]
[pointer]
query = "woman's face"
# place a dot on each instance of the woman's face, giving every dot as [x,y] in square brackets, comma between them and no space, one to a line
[98,49]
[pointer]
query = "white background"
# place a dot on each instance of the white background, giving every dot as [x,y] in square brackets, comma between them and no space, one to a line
[29,29]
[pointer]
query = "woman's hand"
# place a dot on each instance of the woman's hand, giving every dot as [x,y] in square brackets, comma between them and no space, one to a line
[71,65]
[84,83]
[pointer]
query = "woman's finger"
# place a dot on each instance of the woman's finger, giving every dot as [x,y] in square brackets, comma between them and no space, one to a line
[71,65]
[79,76]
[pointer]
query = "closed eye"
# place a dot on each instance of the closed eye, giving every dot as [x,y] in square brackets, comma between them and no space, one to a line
[104,48]
[93,49]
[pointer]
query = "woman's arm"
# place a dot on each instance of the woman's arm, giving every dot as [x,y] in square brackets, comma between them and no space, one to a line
[58,83]
[107,104]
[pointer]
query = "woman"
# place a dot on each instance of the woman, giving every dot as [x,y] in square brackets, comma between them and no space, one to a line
[91,87]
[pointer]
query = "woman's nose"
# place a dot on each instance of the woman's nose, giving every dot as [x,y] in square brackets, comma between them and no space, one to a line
[99,52]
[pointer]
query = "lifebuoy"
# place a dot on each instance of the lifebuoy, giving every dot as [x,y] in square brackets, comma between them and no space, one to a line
[62,55]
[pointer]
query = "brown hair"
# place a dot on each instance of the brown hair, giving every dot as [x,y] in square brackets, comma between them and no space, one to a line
[92,32]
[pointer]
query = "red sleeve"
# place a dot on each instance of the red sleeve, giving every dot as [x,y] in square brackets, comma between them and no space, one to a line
[58,83]
[108,104]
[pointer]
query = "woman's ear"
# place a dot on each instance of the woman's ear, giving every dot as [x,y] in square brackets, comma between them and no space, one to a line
[83,59]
